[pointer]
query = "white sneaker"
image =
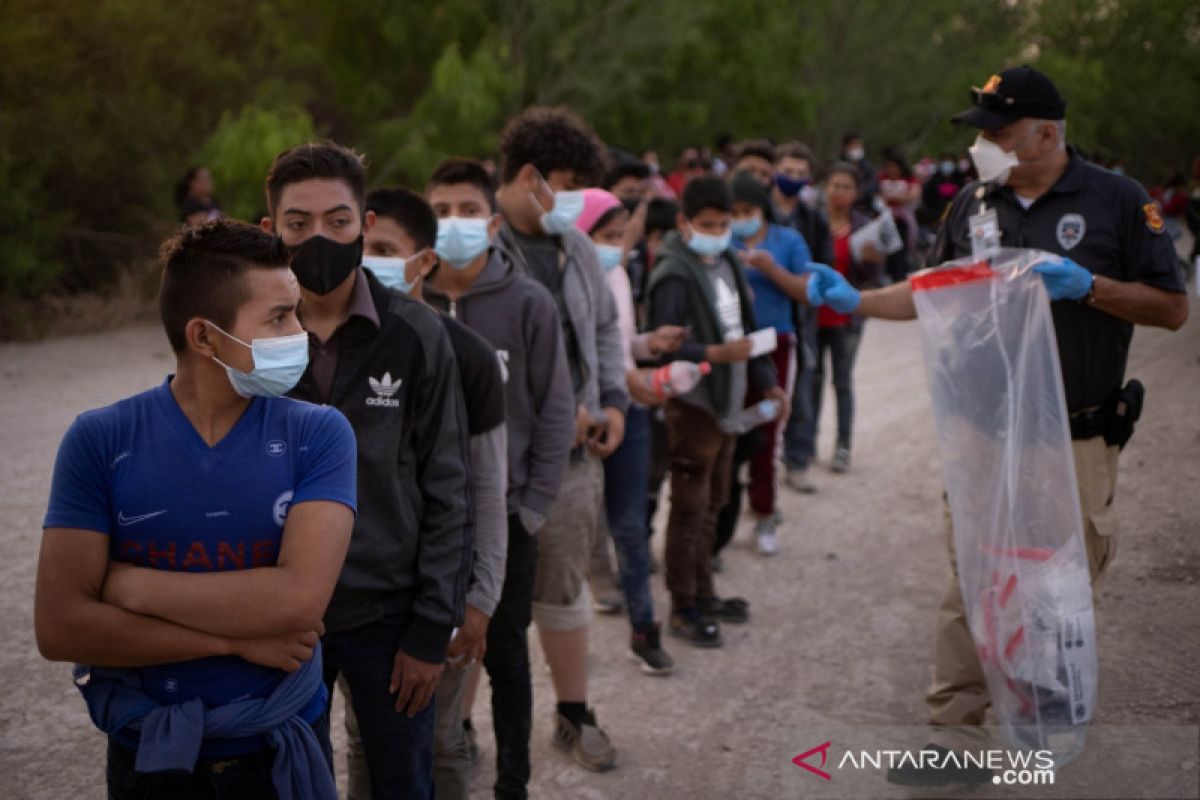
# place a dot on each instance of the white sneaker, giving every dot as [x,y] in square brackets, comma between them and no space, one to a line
[798,481]
[768,541]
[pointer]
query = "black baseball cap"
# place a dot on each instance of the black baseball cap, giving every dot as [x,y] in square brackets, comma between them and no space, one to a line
[1014,94]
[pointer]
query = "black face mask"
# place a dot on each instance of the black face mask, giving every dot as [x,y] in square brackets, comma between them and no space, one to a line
[631,203]
[322,264]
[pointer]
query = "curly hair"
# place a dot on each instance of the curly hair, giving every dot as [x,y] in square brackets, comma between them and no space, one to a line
[552,139]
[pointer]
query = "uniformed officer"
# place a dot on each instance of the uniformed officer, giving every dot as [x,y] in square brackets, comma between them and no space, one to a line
[1118,269]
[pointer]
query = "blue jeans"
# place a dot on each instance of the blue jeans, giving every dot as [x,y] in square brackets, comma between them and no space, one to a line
[842,345]
[399,750]
[626,473]
[244,777]
[799,443]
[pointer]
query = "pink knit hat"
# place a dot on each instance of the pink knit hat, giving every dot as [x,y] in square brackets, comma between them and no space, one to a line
[596,203]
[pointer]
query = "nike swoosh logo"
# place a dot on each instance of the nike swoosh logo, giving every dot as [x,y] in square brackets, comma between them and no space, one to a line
[124,520]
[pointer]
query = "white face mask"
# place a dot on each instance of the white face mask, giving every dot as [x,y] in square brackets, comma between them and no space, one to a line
[992,162]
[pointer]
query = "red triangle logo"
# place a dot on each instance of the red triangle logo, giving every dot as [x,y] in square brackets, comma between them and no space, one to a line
[799,760]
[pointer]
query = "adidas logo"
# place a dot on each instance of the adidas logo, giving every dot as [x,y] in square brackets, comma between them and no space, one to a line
[384,389]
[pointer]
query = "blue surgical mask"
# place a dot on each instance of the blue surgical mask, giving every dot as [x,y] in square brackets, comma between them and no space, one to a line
[560,219]
[609,255]
[278,364]
[707,245]
[461,240]
[946,168]
[747,227]
[390,272]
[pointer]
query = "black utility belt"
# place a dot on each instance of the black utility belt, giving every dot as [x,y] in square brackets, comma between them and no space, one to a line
[1115,419]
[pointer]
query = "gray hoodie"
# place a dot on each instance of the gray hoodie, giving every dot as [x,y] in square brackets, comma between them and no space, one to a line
[517,315]
[593,317]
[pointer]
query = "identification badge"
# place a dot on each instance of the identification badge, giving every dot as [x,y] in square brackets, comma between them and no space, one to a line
[985,233]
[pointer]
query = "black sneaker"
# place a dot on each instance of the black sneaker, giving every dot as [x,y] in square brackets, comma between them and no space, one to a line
[645,647]
[913,775]
[725,609]
[691,626]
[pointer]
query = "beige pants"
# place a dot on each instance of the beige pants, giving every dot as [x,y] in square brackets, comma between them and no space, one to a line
[959,694]
[451,758]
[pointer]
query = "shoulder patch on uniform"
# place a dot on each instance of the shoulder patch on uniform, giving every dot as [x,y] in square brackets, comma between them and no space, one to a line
[1071,228]
[1154,219]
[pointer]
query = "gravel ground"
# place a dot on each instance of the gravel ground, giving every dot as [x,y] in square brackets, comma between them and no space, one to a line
[842,618]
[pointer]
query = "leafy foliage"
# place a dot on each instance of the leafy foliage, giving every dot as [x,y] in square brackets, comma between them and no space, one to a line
[105,103]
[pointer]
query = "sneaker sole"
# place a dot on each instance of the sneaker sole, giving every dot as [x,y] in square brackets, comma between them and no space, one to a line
[711,645]
[566,746]
[656,672]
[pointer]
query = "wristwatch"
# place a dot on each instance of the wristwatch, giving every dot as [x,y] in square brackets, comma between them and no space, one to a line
[1090,298]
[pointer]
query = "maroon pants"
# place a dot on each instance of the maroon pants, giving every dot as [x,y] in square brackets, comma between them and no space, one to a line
[762,463]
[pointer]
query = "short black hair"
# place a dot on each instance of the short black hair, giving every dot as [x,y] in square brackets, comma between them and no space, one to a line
[755,147]
[850,136]
[408,210]
[551,139]
[626,166]
[706,191]
[317,160]
[660,215]
[203,273]
[464,170]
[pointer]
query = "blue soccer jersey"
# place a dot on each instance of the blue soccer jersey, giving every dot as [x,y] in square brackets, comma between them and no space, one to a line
[139,472]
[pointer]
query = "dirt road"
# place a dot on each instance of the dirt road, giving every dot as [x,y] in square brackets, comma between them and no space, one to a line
[842,618]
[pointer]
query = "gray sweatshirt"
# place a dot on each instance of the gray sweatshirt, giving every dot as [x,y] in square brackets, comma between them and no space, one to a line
[593,317]
[518,317]
[489,482]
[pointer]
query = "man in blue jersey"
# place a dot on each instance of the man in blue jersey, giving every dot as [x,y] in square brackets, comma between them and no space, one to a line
[194,535]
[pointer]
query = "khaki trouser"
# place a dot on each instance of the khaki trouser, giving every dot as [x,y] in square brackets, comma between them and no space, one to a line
[451,756]
[959,694]
[561,600]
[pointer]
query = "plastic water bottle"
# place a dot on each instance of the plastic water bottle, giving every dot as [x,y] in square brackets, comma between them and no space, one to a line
[750,418]
[676,378]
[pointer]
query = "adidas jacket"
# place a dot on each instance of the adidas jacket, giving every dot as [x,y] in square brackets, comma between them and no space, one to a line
[412,543]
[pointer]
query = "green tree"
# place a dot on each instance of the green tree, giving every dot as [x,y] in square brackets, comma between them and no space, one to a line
[241,149]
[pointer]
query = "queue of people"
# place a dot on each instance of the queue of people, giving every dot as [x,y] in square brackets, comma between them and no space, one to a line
[416,419]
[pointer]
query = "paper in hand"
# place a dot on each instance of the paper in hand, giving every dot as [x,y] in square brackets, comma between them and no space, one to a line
[762,342]
[881,233]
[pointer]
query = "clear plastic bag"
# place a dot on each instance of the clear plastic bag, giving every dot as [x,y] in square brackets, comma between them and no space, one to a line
[1001,419]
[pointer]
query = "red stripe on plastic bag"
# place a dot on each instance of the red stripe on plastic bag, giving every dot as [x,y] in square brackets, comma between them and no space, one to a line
[941,277]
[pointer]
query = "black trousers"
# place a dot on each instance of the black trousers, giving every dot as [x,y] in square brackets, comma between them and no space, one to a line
[507,664]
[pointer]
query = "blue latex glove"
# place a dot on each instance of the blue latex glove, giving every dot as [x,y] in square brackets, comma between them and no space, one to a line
[828,287]
[1064,279]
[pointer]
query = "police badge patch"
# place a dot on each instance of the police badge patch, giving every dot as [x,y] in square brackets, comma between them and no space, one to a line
[1070,230]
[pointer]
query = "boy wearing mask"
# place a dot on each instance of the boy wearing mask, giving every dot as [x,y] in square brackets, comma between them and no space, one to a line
[385,361]
[698,283]
[193,537]
[548,155]
[481,286]
[399,252]
[776,259]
